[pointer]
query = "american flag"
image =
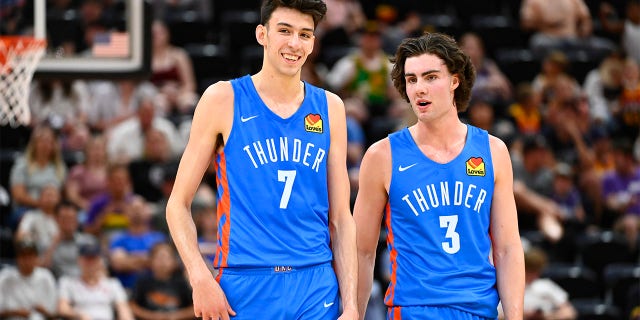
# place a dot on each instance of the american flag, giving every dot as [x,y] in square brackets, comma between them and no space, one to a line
[111,45]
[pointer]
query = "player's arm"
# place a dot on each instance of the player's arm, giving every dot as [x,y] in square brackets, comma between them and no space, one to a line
[213,118]
[341,225]
[368,212]
[508,256]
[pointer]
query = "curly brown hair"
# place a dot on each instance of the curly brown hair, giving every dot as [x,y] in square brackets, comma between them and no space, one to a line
[446,48]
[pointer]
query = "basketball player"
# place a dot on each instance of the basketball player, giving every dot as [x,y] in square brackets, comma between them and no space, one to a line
[445,190]
[279,146]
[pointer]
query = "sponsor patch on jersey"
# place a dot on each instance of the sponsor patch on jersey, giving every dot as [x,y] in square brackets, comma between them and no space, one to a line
[313,123]
[475,167]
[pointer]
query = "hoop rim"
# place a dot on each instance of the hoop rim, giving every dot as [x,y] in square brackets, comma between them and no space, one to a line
[29,42]
[18,45]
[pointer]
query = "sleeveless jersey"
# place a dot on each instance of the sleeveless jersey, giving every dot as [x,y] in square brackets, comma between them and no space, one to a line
[437,221]
[271,175]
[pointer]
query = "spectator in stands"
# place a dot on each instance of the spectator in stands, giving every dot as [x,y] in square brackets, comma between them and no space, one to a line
[365,72]
[543,298]
[572,213]
[569,129]
[491,84]
[482,114]
[621,192]
[554,69]
[163,294]
[409,26]
[125,142]
[566,195]
[147,173]
[62,255]
[204,211]
[628,28]
[172,73]
[533,186]
[603,86]
[116,101]
[603,160]
[356,140]
[159,216]
[26,290]
[560,24]
[343,20]
[129,250]
[63,105]
[41,165]
[106,212]
[207,224]
[88,179]
[39,225]
[365,75]
[568,122]
[526,111]
[627,114]
[92,294]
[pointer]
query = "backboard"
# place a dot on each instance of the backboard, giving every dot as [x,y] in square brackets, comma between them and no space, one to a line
[85,38]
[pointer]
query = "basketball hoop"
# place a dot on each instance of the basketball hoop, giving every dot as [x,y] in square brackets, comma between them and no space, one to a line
[19,56]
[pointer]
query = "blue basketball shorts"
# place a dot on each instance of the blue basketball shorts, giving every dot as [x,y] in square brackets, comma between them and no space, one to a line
[309,293]
[430,313]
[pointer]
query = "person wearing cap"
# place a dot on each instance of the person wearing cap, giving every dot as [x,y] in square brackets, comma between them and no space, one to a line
[26,290]
[93,294]
[532,188]
[365,74]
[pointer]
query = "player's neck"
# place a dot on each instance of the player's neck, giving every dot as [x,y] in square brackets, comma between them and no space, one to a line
[438,142]
[283,88]
[440,134]
[282,95]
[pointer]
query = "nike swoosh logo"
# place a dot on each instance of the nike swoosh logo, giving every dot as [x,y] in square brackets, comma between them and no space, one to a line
[327,305]
[401,168]
[243,119]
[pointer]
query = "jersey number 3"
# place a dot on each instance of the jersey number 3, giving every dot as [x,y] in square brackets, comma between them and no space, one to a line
[286,176]
[450,222]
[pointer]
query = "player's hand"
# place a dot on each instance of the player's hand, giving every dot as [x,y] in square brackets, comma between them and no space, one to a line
[209,301]
[349,314]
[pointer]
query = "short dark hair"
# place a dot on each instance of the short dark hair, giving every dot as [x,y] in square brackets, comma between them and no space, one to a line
[315,8]
[66,204]
[446,48]
[25,246]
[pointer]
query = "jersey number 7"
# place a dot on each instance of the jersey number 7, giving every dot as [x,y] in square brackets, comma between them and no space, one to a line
[286,176]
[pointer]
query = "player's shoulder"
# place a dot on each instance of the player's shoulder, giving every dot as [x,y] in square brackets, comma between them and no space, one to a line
[220,89]
[499,151]
[379,151]
[333,100]
[217,96]
[497,144]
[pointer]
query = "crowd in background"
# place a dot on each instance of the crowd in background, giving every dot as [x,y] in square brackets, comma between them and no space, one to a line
[84,186]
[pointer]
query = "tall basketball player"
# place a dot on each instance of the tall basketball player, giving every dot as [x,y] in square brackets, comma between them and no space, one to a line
[445,190]
[279,146]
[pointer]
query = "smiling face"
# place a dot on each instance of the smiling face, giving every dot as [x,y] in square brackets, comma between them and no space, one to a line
[430,87]
[287,39]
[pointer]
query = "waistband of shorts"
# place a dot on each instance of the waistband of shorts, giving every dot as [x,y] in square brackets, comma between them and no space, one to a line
[271,270]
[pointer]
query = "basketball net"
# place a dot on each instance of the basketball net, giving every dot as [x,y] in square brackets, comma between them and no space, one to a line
[19,57]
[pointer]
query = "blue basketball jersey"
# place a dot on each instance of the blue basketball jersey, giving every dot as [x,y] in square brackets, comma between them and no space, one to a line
[437,221]
[273,202]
